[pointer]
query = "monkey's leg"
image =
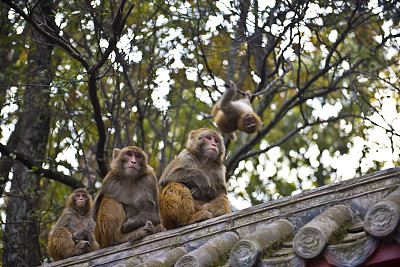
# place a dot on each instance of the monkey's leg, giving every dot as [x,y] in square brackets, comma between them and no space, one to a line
[109,220]
[141,232]
[199,216]
[178,208]
[159,228]
[176,205]
[84,246]
[219,205]
[60,245]
[81,247]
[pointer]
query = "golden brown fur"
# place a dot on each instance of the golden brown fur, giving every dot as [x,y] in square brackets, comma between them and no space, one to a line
[72,235]
[231,115]
[193,186]
[126,206]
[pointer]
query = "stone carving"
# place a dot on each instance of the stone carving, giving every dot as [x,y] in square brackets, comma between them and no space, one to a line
[247,251]
[245,254]
[380,220]
[309,243]
[289,261]
[188,261]
[351,254]
[383,218]
[311,239]
[209,253]
[168,258]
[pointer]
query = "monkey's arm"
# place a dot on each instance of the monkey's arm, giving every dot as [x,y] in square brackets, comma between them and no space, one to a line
[104,189]
[96,204]
[65,220]
[191,177]
[147,210]
[140,220]
[83,234]
[228,96]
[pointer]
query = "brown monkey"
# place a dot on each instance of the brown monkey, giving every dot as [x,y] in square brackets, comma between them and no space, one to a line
[193,186]
[126,206]
[231,115]
[72,235]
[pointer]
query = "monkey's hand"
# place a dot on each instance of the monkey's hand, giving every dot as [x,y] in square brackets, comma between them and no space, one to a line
[229,84]
[143,231]
[196,193]
[81,248]
[132,224]
[83,234]
[208,207]
[84,245]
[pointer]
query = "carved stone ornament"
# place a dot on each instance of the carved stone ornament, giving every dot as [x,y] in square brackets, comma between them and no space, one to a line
[188,261]
[289,261]
[244,254]
[309,243]
[247,251]
[381,220]
[351,254]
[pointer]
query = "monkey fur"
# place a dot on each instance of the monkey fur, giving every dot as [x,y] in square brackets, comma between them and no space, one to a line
[231,115]
[126,206]
[72,234]
[192,186]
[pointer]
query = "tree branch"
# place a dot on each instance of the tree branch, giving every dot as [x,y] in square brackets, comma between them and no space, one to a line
[54,38]
[36,168]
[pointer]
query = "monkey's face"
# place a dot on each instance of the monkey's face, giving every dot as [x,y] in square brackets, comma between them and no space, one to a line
[133,161]
[81,199]
[206,143]
[250,123]
[211,147]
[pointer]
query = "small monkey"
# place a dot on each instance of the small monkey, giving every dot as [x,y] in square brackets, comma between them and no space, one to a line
[72,234]
[231,115]
[126,206]
[192,186]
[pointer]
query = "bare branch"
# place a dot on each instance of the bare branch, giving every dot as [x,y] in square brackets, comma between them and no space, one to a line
[37,168]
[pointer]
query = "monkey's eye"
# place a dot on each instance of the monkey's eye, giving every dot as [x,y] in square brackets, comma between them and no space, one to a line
[138,155]
[129,153]
[208,137]
[216,140]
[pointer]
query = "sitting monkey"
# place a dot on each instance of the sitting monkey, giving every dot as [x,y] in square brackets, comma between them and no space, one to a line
[231,115]
[73,233]
[126,206]
[193,187]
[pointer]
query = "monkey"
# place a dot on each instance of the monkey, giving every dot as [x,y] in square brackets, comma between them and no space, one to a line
[73,233]
[192,187]
[126,207]
[231,115]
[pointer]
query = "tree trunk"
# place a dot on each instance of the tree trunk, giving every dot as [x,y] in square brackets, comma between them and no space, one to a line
[21,244]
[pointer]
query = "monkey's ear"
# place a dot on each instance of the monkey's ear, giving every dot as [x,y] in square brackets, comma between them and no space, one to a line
[193,134]
[115,153]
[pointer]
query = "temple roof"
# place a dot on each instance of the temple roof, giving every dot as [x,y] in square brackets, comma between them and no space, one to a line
[348,223]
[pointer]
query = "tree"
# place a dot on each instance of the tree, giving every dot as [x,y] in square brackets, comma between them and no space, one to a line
[21,246]
[321,75]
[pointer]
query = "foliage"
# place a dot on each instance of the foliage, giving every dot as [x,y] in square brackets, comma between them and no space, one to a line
[322,75]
